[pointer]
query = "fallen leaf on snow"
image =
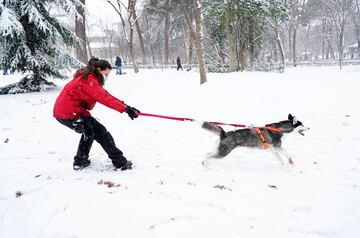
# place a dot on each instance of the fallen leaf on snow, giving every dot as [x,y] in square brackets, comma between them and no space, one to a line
[18,194]
[222,187]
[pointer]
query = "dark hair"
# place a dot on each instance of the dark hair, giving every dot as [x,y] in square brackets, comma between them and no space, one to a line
[91,68]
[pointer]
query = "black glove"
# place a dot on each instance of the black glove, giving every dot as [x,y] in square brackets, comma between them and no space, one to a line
[132,112]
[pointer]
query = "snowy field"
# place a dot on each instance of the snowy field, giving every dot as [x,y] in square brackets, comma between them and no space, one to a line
[170,193]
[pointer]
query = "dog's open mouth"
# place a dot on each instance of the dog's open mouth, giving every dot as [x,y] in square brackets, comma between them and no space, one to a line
[301,131]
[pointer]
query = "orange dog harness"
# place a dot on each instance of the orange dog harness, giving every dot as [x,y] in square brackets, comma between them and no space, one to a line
[261,135]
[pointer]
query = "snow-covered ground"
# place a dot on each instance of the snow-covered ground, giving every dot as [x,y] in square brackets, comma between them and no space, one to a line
[170,193]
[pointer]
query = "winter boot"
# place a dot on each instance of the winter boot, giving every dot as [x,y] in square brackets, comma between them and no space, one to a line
[127,166]
[122,164]
[80,163]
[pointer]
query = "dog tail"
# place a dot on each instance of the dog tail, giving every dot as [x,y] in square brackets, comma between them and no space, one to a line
[214,128]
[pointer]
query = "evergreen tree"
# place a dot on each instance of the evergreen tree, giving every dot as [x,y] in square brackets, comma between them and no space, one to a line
[242,23]
[214,18]
[276,13]
[34,42]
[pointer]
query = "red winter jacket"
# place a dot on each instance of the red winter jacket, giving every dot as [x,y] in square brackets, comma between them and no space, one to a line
[79,96]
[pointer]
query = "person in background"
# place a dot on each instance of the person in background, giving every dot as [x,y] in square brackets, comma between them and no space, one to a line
[72,109]
[5,71]
[178,63]
[118,65]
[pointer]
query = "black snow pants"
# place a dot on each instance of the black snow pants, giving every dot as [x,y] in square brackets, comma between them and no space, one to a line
[92,130]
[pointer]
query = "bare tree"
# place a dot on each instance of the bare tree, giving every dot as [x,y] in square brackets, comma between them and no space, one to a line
[327,48]
[81,34]
[187,33]
[166,32]
[121,45]
[296,10]
[189,44]
[199,41]
[109,40]
[323,37]
[130,9]
[149,39]
[197,36]
[141,39]
[232,39]
[338,13]
[89,49]
[274,23]
[355,16]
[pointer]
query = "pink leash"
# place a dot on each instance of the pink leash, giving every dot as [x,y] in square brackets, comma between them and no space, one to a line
[185,119]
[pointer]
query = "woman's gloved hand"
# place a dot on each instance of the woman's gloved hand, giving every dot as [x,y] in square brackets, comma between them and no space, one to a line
[132,112]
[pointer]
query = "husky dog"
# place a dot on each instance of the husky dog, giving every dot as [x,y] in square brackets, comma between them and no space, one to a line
[256,137]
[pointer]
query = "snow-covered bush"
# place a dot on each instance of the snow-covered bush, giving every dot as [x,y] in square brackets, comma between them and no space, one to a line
[267,67]
[217,68]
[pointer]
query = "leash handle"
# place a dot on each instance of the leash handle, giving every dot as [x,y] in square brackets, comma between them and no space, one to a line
[186,119]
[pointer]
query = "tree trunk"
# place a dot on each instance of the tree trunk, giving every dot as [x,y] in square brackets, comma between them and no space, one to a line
[190,51]
[131,11]
[294,46]
[341,46]
[81,34]
[88,46]
[281,48]
[166,32]
[290,57]
[231,35]
[158,44]
[147,35]
[191,41]
[252,41]
[232,41]
[141,39]
[186,46]
[242,58]
[323,32]
[221,52]
[197,37]
[199,42]
[132,51]
[129,39]
[330,50]
[274,23]
[357,27]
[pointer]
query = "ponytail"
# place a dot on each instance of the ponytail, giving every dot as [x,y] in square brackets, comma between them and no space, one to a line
[91,68]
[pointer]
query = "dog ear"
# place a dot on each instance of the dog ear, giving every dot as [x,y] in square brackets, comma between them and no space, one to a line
[295,121]
[292,119]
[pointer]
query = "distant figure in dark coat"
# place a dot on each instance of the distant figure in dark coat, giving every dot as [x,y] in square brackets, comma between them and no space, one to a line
[178,63]
[118,64]
[5,71]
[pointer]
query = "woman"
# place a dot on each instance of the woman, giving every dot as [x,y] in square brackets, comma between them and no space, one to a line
[72,107]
